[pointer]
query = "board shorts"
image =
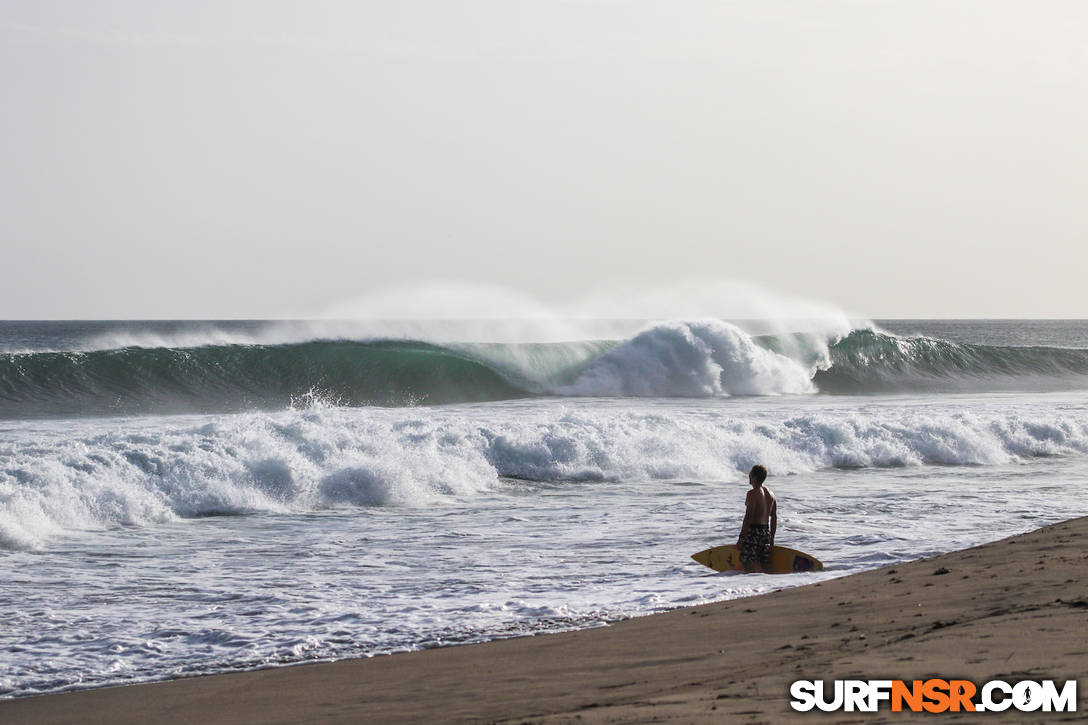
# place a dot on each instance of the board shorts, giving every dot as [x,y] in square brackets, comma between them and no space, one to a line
[755,545]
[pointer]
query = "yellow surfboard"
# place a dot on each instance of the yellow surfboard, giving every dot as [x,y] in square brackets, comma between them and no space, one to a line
[783,560]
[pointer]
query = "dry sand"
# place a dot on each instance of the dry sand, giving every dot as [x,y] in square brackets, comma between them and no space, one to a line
[1013,609]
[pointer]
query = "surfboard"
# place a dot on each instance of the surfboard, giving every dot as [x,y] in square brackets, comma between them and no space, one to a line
[783,560]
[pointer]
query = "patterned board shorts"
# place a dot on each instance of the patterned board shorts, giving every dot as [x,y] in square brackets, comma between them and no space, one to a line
[755,545]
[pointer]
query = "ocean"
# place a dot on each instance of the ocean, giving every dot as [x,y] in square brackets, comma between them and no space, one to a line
[181,498]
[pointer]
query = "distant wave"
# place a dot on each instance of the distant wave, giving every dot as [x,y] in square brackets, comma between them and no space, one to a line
[221,378]
[672,359]
[869,361]
[55,480]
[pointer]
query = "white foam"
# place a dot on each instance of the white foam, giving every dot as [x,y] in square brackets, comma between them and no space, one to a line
[56,482]
[383,530]
[691,359]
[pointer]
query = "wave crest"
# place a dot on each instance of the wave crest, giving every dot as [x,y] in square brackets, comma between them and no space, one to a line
[226,378]
[691,359]
[870,361]
[707,358]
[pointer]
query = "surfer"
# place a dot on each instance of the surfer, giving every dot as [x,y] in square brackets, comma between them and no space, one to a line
[756,536]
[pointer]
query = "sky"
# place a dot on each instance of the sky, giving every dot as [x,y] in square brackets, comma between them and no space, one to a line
[271,158]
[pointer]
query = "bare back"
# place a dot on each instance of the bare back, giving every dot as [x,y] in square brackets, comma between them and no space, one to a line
[761,505]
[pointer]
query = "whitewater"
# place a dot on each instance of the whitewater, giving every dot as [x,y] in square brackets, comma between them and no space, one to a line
[187,498]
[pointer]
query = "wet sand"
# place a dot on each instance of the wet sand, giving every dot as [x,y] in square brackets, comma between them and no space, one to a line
[1013,609]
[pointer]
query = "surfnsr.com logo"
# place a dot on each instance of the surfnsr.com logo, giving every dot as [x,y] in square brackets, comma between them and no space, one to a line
[933,695]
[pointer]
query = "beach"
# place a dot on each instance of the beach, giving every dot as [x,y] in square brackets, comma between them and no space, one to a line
[1013,609]
[392,362]
[159,523]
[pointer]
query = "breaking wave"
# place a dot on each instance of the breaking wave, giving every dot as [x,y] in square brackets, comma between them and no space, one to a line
[702,358]
[869,361]
[54,481]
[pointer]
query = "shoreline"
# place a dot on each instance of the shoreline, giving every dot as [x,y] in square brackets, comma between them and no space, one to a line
[1012,609]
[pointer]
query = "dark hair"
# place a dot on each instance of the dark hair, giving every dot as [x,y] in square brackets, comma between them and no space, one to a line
[760,473]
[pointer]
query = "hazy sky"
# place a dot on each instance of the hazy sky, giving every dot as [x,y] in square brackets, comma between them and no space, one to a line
[268,158]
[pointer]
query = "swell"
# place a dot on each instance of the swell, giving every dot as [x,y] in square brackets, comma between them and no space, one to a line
[707,358]
[221,378]
[869,361]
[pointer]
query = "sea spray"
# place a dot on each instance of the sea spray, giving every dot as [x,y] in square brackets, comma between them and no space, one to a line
[691,359]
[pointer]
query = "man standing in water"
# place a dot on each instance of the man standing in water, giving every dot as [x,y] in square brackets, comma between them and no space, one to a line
[760,523]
